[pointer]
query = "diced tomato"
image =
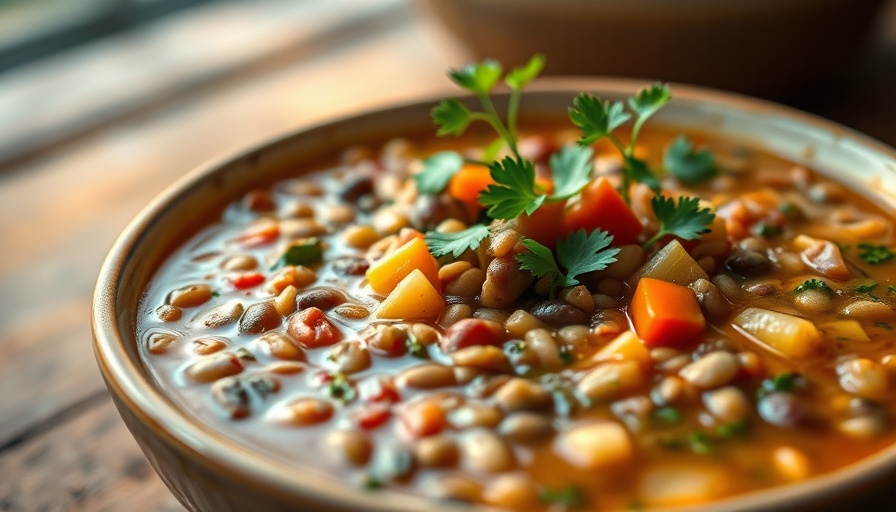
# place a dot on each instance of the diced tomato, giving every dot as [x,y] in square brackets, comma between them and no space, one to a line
[378,390]
[312,329]
[245,280]
[472,331]
[469,182]
[373,416]
[601,207]
[543,225]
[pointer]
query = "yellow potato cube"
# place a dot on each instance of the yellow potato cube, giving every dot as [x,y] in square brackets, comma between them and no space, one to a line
[414,298]
[793,336]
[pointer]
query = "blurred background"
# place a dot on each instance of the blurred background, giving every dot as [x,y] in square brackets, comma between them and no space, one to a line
[104,103]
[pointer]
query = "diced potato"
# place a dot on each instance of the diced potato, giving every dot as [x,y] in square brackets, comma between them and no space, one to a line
[673,264]
[625,347]
[679,484]
[414,298]
[388,271]
[790,335]
[596,445]
[845,330]
[611,379]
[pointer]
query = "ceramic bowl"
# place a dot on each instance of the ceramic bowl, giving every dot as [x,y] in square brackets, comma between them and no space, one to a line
[210,471]
[756,46]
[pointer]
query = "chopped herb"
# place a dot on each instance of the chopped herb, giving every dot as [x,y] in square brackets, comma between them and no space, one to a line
[684,219]
[415,348]
[668,415]
[513,192]
[451,116]
[339,388]
[729,430]
[874,254]
[216,293]
[687,164]
[244,354]
[783,382]
[885,326]
[305,252]
[517,347]
[700,443]
[264,386]
[597,118]
[566,355]
[813,284]
[578,253]
[766,230]
[442,244]
[865,288]
[891,288]
[371,483]
[437,172]
[569,496]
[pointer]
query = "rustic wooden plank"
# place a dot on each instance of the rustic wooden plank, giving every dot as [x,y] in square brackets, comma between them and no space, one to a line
[90,463]
[55,99]
[62,213]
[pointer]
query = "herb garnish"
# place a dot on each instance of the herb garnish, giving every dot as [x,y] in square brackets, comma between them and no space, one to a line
[668,415]
[813,284]
[866,288]
[875,254]
[569,496]
[578,253]
[443,244]
[438,171]
[684,219]
[415,348]
[305,252]
[339,388]
[687,164]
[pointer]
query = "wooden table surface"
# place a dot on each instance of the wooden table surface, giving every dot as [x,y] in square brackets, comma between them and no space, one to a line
[103,155]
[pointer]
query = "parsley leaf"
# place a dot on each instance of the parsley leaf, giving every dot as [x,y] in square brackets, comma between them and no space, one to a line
[646,103]
[437,172]
[571,168]
[596,118]
[513,191]
[442,244]
[687,164]
[637,170]
[813,284]
[479,77]
[451,116]
[874,254]
[519,77]
[684,219]
[579,253]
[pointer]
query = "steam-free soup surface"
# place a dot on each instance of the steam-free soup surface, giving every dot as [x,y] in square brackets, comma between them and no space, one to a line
[312,324]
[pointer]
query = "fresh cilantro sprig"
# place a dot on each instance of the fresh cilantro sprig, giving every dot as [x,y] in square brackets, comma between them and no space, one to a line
[443,244]
[687,164]
[578,253]
[513,192]
[683,219]
[598,118]
[453,117]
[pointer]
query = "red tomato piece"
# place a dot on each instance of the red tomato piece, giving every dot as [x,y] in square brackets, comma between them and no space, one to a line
[378,390]
[312,329]
[374,416]
[472,331]
[601,207]
[245,280]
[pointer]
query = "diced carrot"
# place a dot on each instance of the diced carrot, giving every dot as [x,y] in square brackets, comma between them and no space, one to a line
[385,274]
[245,280]
[666,314]
[601,207]
[262,232]
[424,418]
[469,182]
[542,225]
[312,329]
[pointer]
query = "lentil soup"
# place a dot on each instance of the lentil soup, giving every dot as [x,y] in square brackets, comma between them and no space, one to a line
[314,324]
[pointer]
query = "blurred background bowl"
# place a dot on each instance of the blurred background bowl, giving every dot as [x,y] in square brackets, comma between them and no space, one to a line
[755,46]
